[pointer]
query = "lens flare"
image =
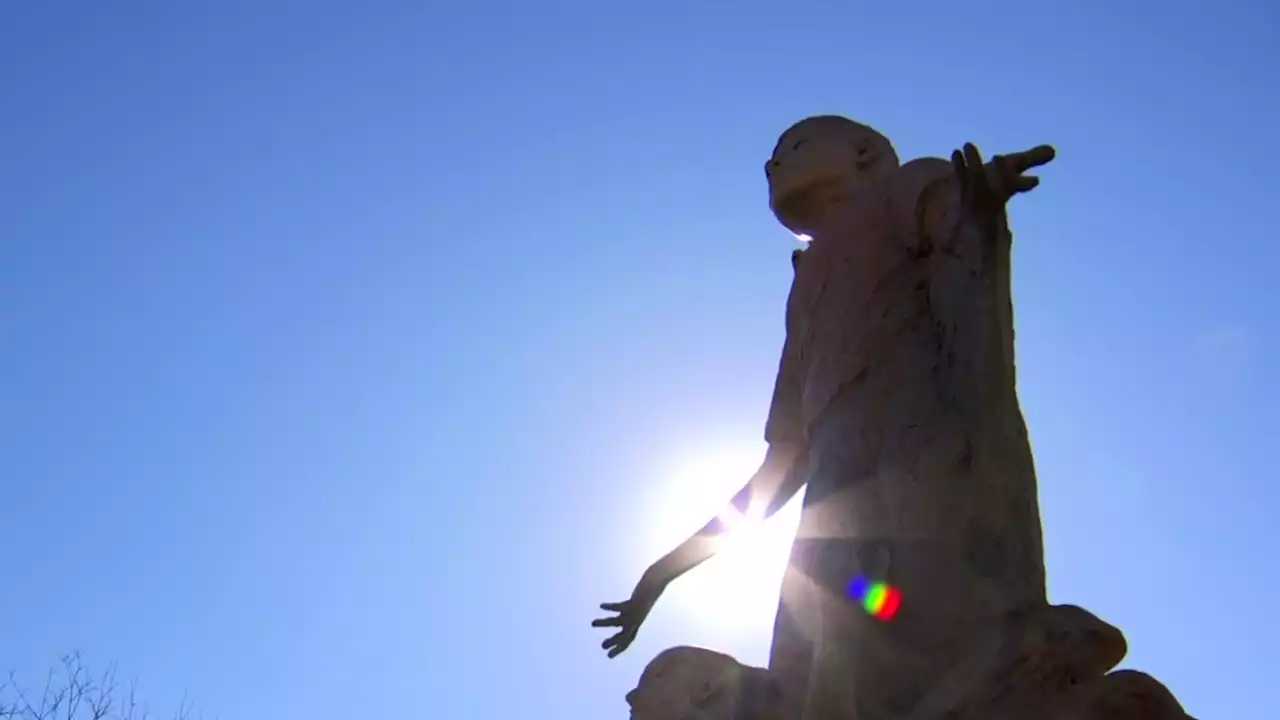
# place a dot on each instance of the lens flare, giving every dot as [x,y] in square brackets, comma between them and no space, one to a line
[880,600]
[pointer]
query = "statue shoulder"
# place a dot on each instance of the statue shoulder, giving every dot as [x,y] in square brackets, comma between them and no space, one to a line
[911,181]
[922,195]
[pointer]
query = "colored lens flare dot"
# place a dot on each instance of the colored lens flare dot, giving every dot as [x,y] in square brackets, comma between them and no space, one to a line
[880,600]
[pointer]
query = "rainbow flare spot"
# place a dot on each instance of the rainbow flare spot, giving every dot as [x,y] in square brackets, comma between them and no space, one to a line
[880,600]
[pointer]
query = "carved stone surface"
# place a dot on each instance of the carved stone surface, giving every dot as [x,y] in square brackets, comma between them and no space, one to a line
[897,376]
[692,683]
[1025,664]
[1050,666]
[1124,695]
[897,381]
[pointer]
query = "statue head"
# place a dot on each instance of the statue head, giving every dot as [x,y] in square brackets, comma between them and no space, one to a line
[673,682]
[692,682]
[819,160]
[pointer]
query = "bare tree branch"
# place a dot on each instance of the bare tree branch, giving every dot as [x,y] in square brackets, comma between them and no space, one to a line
[71,693]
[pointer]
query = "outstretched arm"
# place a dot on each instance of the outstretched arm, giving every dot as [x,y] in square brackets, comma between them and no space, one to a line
[776,482]
[983,190]
[962,224]
[780,476]
[769,489]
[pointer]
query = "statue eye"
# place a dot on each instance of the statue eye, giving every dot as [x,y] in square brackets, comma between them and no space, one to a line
[798,143]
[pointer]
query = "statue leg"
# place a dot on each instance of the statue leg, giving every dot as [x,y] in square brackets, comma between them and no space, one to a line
[885,503]
[865,668]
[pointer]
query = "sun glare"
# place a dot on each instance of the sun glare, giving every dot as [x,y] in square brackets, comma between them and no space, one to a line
[738,588]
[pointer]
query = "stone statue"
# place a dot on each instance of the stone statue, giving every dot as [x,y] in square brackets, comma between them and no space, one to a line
[691,683]
[895,404]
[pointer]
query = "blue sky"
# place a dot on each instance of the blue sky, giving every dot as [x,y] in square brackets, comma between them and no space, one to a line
[347,348]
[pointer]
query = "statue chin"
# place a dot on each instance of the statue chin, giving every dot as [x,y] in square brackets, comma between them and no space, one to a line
[793,204]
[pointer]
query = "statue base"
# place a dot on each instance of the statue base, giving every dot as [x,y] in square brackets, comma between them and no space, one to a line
[1055,663]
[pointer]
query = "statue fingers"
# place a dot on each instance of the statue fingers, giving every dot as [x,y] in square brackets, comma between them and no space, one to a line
[1039,155]
[620,642]
[614,607]
[613,640]
[968,174]
[984,186]
[957,167]
[973,158]
[622,646]
[607,622]
[1023,183]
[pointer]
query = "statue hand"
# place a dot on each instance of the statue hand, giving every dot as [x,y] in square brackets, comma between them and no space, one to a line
[987,187]
[630,614]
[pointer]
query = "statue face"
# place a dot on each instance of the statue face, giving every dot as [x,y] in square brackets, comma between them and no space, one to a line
[820,158]
[679,682]
[663,691]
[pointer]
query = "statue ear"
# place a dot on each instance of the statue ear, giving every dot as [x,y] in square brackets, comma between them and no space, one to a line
[795,259]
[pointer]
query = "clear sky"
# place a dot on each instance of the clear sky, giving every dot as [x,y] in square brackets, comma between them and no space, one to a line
[349,352]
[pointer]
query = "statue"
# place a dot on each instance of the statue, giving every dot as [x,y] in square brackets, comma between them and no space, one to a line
[692,683]
[895,404]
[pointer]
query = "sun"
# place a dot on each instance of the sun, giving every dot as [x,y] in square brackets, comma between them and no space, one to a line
[737,589]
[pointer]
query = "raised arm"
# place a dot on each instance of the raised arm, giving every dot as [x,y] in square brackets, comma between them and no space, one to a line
[961,222]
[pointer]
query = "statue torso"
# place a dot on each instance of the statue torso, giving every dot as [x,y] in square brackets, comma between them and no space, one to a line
[859,305]
[889,442]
